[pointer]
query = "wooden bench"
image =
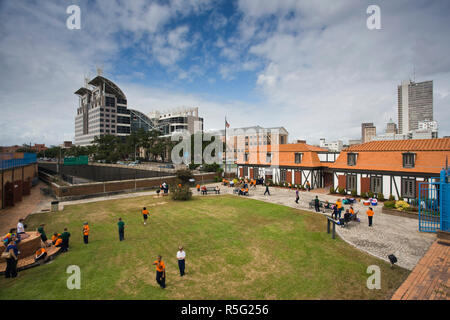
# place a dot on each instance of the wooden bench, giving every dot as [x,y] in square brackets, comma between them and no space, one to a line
[210,189]
[322,204]
[29,261]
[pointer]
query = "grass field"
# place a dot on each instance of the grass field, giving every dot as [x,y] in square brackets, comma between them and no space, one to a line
[236,249]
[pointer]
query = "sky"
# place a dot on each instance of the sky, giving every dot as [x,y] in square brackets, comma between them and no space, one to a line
[313,67]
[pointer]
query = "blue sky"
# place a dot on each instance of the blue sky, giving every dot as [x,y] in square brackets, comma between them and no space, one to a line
[310,66]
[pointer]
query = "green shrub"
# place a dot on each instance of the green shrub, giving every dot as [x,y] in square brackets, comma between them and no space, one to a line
[389,204]
[354,193]
[332,191]
[342,191]
[380,197]
[182,193]
[370,194]
[184,175]
[391,197]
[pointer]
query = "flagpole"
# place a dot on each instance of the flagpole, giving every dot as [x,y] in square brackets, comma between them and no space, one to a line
[225,165]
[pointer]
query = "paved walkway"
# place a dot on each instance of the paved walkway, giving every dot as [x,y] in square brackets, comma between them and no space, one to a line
[35,202]
[430,279]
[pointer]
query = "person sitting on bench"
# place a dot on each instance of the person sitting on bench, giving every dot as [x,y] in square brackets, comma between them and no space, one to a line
[246,192]
[58,242]
[347,215]
[55,237]
[217,190]
[40,254]
[241,191]
[204,191]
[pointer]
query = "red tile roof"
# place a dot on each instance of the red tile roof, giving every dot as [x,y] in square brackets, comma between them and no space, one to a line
[442,144]
[431,155]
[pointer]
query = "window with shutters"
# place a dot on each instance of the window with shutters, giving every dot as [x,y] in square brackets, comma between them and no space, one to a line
[376,184]
[408,188]
[351,159]
[351,182]
[409,160]
[283,175]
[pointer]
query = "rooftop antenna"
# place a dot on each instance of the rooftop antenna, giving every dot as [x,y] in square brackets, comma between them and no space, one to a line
[99,71]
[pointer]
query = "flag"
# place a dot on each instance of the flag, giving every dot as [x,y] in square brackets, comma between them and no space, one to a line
[227,124]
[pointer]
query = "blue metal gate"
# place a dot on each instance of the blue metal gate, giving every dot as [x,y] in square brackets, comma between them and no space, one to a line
[434,204]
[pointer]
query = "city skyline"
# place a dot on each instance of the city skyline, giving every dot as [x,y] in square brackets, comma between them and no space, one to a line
[277,64]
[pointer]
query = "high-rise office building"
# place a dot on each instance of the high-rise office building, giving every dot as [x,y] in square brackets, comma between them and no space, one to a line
[368,131]
[102,110]
[415,103]
[179,120]
[391,127]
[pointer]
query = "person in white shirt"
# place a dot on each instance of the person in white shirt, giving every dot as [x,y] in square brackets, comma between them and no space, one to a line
[181,255]
[20,227]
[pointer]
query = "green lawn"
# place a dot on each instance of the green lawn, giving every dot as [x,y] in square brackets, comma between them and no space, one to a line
[236,249]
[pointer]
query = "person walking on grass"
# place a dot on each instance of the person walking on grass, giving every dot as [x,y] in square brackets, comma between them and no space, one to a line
[297,196]
[370,216]
[181,255]
[86,230]
[160,272]
[145,215]
[317,204]
[42,233]
[65,240]
[267,189]
[121,226]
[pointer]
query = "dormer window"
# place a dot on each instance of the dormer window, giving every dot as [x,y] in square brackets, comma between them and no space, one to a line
[351,159]
[268,157]
[298,157]
[409,160]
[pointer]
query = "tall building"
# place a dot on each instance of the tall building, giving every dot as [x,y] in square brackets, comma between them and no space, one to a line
[415,103]
[181,120]
[102,110]
[331,146]
[141,121]
[368,131]
[391,127]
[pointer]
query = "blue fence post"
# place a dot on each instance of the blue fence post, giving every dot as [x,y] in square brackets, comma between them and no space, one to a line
[444,201]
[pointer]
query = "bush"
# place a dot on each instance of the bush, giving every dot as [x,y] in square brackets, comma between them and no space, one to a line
[401,205]
[389,204]
[391,197]
[184,175]
[332,191]
[342,191]
[182,193]
[354,193]
[370,194]
[380,197]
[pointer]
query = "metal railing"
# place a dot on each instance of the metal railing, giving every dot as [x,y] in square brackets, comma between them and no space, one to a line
[27,159]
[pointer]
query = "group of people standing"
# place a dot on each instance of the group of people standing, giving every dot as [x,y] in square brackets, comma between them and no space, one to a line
[159,263]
